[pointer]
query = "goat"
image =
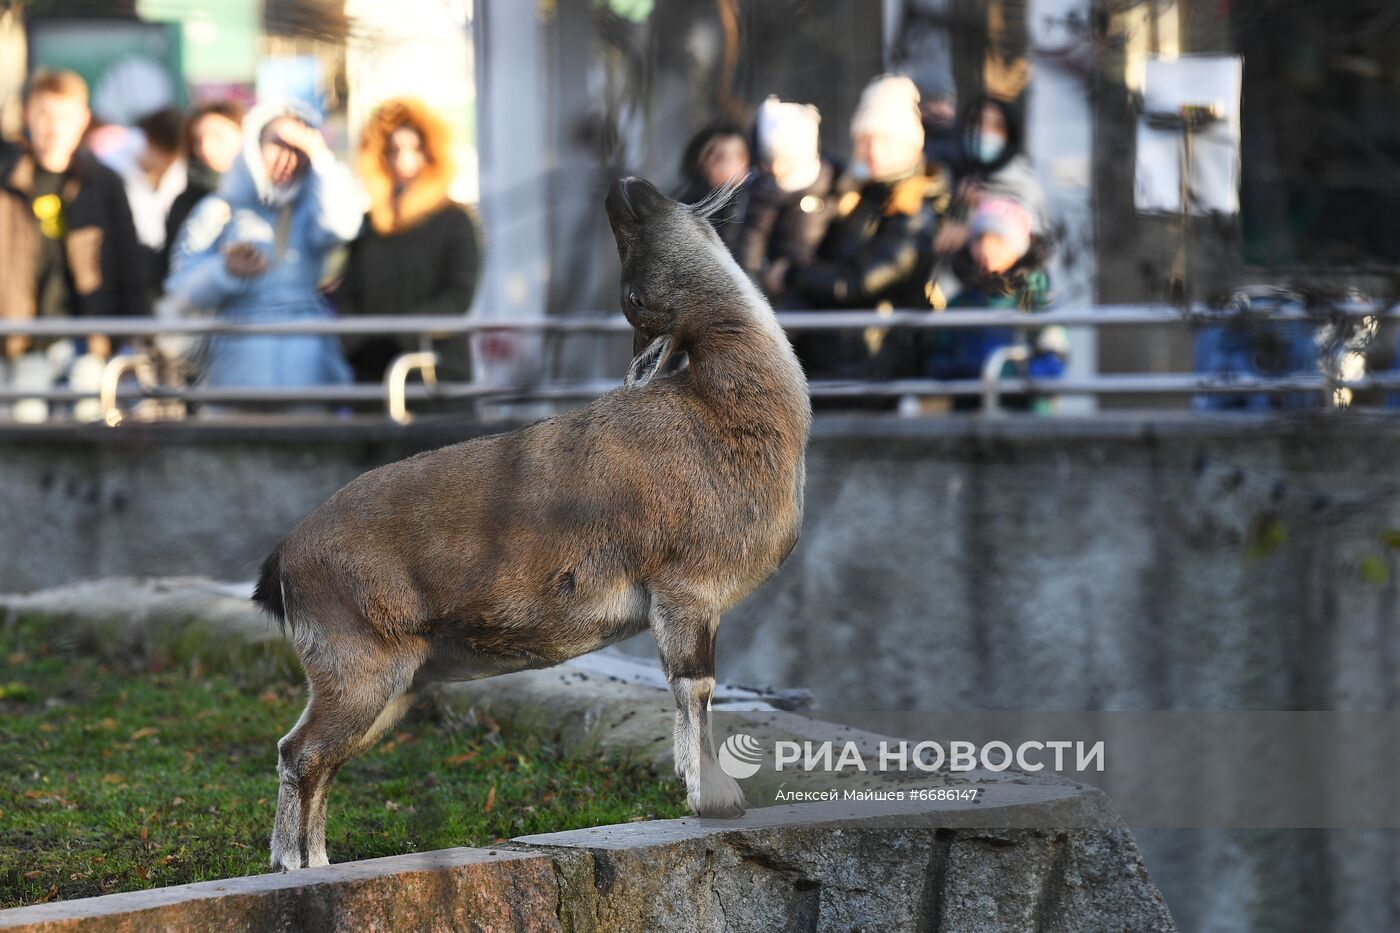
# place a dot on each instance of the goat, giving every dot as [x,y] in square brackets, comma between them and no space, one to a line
[661,504]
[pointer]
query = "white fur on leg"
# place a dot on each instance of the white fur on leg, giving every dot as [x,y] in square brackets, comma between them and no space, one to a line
[709,791]
[689,694]
[316,828]
[286,826]
[286,829]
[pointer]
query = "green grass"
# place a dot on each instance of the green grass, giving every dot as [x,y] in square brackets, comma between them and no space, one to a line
[113,780]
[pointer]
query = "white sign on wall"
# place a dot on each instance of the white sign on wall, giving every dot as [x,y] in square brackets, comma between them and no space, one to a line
[1206,82]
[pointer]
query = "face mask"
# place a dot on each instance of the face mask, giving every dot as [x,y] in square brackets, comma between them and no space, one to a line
[990,148]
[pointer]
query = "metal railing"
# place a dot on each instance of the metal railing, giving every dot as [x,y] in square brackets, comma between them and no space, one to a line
[395,393]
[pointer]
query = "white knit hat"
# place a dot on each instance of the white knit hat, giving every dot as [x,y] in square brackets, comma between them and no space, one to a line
[889,106]
[788,134]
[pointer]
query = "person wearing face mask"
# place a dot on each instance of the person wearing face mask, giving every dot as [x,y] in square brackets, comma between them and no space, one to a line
[993,164]
[791,201]
[878,250]
[254,251]
[418,251]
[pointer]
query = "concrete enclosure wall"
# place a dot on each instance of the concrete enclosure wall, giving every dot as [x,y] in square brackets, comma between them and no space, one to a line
[1098,564]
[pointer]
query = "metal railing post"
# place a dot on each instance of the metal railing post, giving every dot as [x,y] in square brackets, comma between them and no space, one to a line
[117,367]
[991,374]
[396,381]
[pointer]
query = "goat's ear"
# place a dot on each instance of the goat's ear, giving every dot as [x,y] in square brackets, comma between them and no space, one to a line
[649,362]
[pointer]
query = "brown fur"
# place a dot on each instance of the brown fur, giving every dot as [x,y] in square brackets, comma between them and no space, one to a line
[659,505]
[428,192]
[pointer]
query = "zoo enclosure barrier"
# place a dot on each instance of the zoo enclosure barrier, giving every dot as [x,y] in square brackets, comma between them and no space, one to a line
[1336,377]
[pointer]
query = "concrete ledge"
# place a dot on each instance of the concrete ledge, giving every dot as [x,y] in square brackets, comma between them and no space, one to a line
[457,889]
[805,867]
[808,867]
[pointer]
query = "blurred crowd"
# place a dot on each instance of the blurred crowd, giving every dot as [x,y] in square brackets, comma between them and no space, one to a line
[938,209]
[245,216]
[249,217]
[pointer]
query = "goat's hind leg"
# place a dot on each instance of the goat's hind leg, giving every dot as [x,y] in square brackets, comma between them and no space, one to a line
[316,819]
[685,640]
[350,705]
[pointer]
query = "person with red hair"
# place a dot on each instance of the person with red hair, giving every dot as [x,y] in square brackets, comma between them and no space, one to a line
[418,251]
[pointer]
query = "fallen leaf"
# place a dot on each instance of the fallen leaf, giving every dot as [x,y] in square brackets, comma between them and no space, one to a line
[31,875]
[113,779]
[490,800]
[145,733]
[52,893]
[456,760]
[14,690]
[142,872]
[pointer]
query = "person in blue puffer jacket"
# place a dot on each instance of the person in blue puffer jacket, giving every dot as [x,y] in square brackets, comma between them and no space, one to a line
[254,251]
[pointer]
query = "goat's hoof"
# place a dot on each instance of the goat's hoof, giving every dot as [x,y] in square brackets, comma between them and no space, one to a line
[716,796]
[730,811]
[285,862]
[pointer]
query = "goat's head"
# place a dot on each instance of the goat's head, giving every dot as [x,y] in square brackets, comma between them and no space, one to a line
[678,280]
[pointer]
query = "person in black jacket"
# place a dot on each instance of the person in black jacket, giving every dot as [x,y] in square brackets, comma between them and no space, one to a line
[418,251]
[68,247]
[879,250]
[791,199]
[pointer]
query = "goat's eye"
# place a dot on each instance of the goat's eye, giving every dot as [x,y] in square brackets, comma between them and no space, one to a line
[634,299]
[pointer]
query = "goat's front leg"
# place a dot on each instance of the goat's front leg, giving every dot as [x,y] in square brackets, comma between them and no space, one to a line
[685,638]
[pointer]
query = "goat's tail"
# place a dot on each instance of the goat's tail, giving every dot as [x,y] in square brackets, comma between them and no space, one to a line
[268,593]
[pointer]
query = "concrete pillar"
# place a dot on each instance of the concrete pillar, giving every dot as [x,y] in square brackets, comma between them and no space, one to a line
[1060,142]
[513,108]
